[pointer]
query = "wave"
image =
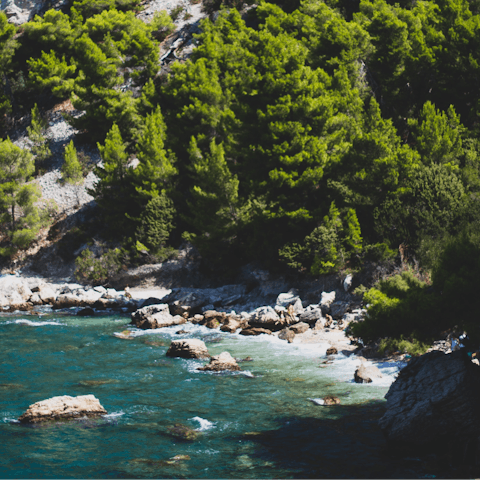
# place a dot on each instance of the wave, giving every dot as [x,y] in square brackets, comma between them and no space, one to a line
[204,424]
[24,321]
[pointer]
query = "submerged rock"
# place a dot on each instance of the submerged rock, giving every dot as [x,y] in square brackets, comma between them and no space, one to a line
[221,362]
[188,348]
[63,407]
[366,374]
[434,403]
[287,334]
[183,432]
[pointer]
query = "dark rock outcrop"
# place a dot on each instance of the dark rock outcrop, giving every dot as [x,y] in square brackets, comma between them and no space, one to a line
[434,403]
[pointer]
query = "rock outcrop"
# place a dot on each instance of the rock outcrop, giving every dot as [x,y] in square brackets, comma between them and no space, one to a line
[155,316]
[434,402]
[266,317]
[221,362]
[63,407]
[189,348]
[366,374]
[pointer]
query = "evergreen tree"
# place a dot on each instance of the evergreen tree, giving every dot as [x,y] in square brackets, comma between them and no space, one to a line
[71,169]
[19,215]
[36,134]
[7,49]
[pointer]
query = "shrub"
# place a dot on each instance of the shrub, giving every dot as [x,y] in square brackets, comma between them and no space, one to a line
[90,269]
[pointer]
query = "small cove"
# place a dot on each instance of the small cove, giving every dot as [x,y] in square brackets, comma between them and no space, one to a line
[257,423]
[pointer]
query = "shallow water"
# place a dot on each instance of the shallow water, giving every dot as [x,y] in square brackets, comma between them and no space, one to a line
[257,423]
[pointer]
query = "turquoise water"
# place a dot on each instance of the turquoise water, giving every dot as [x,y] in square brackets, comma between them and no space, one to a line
[257,423]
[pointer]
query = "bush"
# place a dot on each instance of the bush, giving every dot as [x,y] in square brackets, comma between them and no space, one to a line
[90,269]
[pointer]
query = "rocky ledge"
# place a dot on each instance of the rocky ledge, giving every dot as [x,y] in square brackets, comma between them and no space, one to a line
[64,407]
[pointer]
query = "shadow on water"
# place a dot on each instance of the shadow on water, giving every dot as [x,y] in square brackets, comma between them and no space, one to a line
[347,443]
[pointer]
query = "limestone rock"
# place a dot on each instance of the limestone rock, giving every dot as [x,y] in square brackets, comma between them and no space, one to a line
[213,319]
[15,291]
[311,314]
[299,327]
[347,283]
[46,294]
[231,325]
[67,300]
[224,361]
[332,351]
[287,334]
[255,331]
[365,374]
[339,309]
[331,400]
[155,316]
[266,317]
[326,300]
[286,299]
[57,408]
[433,402]
[189,348]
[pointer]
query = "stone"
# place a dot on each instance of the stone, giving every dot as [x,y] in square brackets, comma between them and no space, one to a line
[182,432]
[231,325]
[188,348]
[326,300]
[318,325]
[366,374]
[86,312]
[331,400]
[311,314]
[47,294]
[286,299]
[347,283]
[63,407]
[433,403]
[197,318]
[15,292]
[331,351]
[255,331]
[300,327]
[178,309]
[286,334]
[339,309]
[328,321]
[213,314]
[35,299]
[266,317]
[155,316]
[221,362]
[67,300]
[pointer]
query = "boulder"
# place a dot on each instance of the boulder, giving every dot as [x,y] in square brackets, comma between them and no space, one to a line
[365,374]
[434,402]
[326,300]
[286,299]
[15,292]
[332,351]
[286,334]
[319,325]
[47,294]
[255,331]
[197,318]
[266,317]
[311,314]
[331,400]
[299,327]
[57,408]
[67,300]
[224,361]
[231,325]
[213,319]
[177,309]
[347,283]
[35,299]
[183,432]
[189,348]
[155,316]
[339,309]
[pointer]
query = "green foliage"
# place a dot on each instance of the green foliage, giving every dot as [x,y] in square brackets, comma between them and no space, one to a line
[162,25]
[19,216]
[156,223]
[71,168]
[429,205]
[97,271]
[413,347]
[332,245]
[36,134]
[8,46]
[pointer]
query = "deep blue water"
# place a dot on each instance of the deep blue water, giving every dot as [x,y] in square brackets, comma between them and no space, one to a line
[257,423]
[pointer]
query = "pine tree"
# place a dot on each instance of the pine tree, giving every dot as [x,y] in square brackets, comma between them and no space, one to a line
[36,134]
[71,169]
[17,210]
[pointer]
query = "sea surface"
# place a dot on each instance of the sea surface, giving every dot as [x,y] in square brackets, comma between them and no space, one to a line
[257,423]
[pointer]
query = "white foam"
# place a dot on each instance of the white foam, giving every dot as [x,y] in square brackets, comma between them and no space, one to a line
[317,401]
[204,424]
[35,324]
[114,414]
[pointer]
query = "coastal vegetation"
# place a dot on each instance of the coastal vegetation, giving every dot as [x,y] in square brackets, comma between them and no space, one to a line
[313,136]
